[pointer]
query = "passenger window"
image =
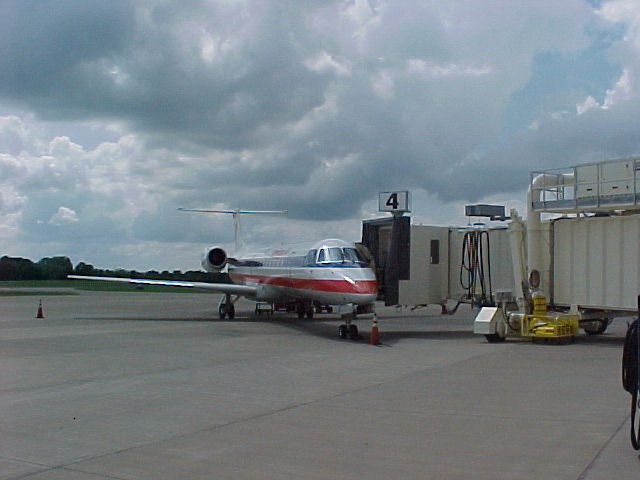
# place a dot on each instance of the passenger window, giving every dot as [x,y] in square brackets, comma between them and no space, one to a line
[321,256]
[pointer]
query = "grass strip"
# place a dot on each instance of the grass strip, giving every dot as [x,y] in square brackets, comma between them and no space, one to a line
[88,285]
[33,293]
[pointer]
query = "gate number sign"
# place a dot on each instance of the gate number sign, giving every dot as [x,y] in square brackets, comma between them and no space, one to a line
[393,201]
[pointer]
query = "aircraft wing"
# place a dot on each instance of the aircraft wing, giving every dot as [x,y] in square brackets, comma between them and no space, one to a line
[230,288]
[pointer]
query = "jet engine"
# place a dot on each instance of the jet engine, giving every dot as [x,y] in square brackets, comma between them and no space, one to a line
[214,259]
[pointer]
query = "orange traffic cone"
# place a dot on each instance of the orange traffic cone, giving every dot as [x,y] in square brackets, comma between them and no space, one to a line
[40,314]
[375,334]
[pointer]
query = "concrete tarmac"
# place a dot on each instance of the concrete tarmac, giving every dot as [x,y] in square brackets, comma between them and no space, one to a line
[145,386]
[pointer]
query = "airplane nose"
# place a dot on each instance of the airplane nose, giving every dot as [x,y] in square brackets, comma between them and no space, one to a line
[366,287]
[361,287]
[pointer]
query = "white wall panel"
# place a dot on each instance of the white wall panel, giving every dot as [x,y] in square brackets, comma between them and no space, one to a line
[596,262]
[428,283]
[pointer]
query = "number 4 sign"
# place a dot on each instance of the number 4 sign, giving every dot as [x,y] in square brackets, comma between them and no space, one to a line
[393,201]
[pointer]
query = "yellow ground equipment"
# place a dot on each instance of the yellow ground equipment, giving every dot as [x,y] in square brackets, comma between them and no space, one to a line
[548,325]
[496,323]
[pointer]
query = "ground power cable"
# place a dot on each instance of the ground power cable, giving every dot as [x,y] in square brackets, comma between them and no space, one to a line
[475,267]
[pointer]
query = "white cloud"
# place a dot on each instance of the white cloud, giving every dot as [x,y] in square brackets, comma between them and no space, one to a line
[620,93]
[323,62]
[588,104]
[383,83]
[64,215]
[434,70]
[623,11]
[364,15]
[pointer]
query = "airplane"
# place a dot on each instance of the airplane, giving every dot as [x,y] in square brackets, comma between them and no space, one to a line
[327,272]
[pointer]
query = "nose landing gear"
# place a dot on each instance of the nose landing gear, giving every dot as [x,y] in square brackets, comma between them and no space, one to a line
[349,330]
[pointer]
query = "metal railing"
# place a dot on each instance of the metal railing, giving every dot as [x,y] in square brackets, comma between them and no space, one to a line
[608,185]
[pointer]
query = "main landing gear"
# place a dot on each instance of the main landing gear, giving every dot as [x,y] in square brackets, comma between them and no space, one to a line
[226,308]
[304,309]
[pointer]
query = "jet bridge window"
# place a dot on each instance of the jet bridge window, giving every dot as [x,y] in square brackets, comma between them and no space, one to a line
[435,252]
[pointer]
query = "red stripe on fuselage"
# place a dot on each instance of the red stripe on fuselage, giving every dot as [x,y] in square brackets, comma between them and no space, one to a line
[361,287]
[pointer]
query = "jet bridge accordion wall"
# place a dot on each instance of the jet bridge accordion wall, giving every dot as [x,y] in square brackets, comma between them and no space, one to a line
[596,261]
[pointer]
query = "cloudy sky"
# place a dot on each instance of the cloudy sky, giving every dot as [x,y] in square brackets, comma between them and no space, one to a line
[114,114]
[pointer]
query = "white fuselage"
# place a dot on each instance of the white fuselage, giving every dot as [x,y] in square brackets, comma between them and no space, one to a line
[328,272]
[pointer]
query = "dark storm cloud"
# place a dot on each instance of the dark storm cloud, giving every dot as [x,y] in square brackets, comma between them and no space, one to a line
[368,144]
[44,45]
[236,75]
[210,73]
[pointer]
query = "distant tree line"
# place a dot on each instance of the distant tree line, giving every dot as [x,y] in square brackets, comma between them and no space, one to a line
[57,268]
[24,269]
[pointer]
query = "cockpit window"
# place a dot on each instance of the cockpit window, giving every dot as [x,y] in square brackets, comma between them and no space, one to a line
[351,255]
[344,256]
[334,254]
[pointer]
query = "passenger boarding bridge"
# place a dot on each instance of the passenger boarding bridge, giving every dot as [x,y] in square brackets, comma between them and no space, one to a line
[592,187]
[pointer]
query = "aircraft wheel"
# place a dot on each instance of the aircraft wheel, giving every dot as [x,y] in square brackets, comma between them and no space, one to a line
[231,311]
[353,332]
[300,310]
[222,311]
[343,331]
